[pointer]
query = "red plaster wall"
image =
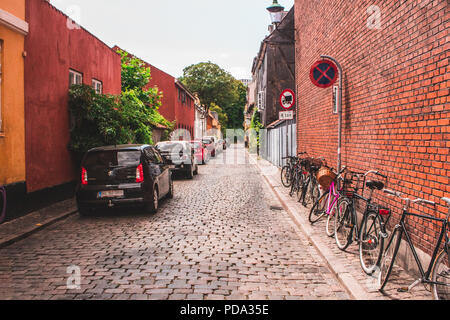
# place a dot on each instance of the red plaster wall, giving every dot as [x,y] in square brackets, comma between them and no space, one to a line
[52,49]
[396,95]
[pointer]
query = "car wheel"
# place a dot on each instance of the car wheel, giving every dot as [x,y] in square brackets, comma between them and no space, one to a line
[190,173]
[171,191]
[152,206]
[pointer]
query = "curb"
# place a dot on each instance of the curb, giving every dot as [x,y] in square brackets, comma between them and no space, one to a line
[28,232]
[355,290]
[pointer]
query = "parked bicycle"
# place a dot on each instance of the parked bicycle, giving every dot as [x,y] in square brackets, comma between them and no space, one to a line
[438,272]
[309,192]
[2,204]
[287,172]
[370,234]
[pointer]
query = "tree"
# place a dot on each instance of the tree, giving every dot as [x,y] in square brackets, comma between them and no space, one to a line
[216,86]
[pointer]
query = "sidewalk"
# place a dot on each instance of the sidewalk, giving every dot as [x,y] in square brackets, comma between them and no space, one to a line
[345,265]
[23,227]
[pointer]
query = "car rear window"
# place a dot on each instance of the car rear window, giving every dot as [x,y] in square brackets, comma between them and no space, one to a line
[170,147]
[113,158]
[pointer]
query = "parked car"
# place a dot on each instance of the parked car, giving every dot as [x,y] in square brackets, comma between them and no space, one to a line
[222,144]
[200,151]
[210,145]
[180,156]
[125,175]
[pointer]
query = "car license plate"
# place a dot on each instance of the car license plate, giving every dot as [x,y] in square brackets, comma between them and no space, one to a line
[111,194]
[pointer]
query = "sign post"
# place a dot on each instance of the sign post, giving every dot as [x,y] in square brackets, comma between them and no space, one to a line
[324,74]
[287,101]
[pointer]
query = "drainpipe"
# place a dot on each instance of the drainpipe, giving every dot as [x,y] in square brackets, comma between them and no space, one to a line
[341,76]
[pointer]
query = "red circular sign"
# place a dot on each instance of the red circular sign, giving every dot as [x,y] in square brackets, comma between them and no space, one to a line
[324,73]
[287,99]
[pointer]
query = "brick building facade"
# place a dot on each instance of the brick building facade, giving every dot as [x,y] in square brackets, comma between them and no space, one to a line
[396,102]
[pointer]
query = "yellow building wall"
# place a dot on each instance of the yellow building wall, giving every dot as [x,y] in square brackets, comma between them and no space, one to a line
[12,133]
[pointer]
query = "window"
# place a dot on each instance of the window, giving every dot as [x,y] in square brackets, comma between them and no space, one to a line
[75,77]
[1,81]
[98,86]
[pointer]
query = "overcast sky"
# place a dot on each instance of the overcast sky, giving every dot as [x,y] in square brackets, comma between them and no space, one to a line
[173,34]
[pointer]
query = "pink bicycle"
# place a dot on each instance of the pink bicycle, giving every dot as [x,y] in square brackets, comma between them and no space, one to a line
[328,202]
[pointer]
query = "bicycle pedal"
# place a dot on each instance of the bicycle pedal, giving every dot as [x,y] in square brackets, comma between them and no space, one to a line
[403,290]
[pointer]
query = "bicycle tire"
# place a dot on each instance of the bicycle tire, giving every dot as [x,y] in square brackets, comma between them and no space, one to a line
[286,174]
[319,209]
[343,226]
[441,273]
[2,204]
[304,187]
[388,259]
[300,184]
[371,243]
[329,229]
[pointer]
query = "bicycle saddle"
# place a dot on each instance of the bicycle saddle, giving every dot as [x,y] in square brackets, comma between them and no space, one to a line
[375,185]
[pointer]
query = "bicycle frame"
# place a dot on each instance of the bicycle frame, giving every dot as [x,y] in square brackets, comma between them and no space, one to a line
[401,227]
[336,196]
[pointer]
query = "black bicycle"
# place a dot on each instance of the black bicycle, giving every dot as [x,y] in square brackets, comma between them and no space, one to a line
[438,273]
[370,234]
[288,170]
[2,204]
[308,192]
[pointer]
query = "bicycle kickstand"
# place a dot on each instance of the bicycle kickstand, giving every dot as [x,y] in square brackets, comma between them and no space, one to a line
[408,289]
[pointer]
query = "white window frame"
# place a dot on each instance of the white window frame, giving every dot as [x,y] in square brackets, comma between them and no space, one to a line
[261,100]
[77,76]
[98,86]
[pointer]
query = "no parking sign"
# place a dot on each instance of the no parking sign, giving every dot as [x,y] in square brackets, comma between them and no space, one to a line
[324,73]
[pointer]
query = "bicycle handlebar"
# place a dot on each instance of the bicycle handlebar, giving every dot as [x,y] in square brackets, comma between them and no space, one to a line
[375,172]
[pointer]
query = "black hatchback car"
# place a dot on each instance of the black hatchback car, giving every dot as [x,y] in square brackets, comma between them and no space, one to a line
[126,175]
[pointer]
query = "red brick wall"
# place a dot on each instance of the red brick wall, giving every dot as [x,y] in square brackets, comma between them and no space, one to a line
[52,49]
[396,95]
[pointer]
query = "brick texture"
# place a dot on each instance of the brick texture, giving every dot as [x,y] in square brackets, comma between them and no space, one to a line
[396,98]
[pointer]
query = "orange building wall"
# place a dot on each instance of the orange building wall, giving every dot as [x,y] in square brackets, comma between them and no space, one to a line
[12,135]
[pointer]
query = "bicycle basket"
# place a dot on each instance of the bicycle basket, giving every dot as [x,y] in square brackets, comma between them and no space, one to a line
[325,177]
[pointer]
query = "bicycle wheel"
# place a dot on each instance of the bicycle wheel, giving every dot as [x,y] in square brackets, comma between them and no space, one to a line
[300,184]
[343,225]
[2,204]
[319,209]
[286,176]
[304,188]
[331,221]
[388,259]
[441,274]
[312,193]
[371,243]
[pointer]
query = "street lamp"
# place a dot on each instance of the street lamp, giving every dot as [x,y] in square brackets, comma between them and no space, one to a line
[276,12]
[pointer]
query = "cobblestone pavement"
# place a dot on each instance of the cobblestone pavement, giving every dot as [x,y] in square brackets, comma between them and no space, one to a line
[223,236]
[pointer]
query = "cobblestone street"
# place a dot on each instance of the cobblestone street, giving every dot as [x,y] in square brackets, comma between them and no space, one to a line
[223,236]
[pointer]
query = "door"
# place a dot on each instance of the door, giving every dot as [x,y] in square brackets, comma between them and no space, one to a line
[164,168]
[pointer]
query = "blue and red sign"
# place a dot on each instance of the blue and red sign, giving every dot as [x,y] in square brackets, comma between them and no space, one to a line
[324,73]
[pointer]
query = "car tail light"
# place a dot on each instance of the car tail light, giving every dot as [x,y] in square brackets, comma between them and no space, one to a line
[140,174]
[84,176]
[385,212]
